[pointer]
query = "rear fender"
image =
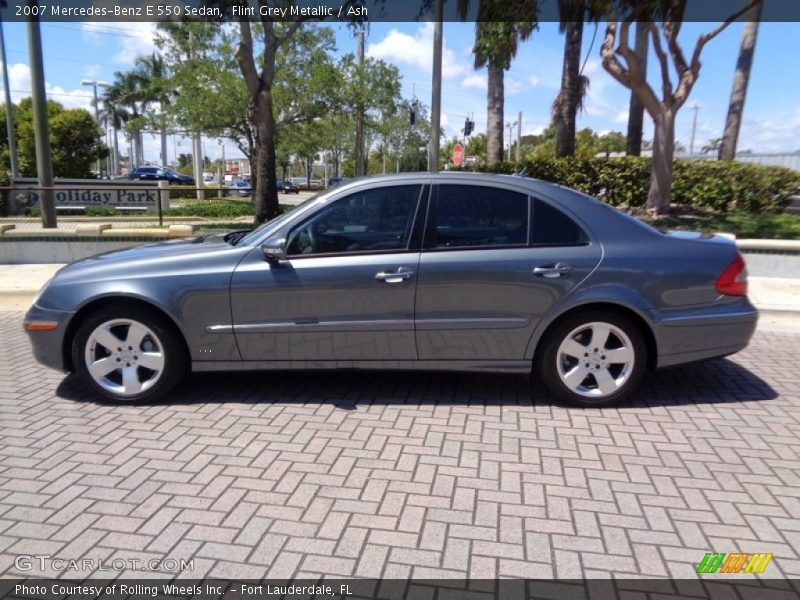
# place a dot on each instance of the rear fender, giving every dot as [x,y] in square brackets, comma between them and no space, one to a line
[607,295]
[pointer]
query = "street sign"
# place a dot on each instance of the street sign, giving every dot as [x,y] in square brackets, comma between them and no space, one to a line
[458,155]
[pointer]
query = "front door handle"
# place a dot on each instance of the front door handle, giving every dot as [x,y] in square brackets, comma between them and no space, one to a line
[397,276]
[552,271]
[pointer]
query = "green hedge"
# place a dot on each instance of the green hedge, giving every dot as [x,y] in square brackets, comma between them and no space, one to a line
[213,208]
[720,186]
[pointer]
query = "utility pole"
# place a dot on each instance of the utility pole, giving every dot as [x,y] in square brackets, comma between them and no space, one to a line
[360,110]
[436,84]
[94,85]
[197,143]
[44,163]
[510,144]
[695,108]
[519,136]
[12,136]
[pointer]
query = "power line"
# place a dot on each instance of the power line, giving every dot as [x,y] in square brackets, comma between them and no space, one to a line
[88,96]
[144,34]
[74,60]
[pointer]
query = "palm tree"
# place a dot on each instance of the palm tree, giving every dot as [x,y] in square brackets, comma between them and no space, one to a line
[126,93]
[574,84]
[633,145]
[154,84]
[116,115]
[571,14]
[741,78]
[500,26]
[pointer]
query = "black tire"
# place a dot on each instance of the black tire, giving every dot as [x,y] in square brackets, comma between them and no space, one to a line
[552,366]
[162,341]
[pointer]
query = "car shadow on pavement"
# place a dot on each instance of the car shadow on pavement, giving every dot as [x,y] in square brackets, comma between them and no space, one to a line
[710,382]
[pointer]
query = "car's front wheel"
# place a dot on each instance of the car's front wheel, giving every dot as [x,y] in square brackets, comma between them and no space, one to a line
[128,354]
[593,359]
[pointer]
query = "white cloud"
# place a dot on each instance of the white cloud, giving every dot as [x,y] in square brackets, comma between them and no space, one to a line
[533,80]
[417,51]
[622,117]
[777,133]
[475,81]
[91,71]
[135,39]
[19,81]
[513,86]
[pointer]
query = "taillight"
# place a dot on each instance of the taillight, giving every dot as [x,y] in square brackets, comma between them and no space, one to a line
[733,280]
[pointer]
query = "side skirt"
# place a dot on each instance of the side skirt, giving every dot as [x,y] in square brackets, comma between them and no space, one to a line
[505,366]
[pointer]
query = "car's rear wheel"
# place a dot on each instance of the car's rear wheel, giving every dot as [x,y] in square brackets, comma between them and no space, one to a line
[593,359]
[128,354]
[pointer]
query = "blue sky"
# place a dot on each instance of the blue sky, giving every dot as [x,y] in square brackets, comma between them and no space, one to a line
[75,51]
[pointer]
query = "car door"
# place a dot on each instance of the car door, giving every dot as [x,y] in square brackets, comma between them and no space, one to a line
[346,290]
[494,262]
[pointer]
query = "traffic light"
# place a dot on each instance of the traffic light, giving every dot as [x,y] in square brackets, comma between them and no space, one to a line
[412,114]
[468,126]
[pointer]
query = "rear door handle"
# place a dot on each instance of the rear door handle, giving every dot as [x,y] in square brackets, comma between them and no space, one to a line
[552,271]
[397,276]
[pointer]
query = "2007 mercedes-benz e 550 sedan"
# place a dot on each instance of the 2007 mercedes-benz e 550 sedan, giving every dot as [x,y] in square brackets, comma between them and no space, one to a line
[418,271]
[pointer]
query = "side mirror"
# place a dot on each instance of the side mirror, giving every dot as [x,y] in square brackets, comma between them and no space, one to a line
[274,250]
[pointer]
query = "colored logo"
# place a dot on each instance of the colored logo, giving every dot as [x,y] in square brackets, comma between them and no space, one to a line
[734,563]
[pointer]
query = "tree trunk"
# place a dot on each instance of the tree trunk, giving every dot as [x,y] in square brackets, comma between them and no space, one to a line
[741,78]
[570,90]
[116,151]
[636,107]
[164,160]
[265,194]
[494,116]
[139,148]
[658,198]
[134,160]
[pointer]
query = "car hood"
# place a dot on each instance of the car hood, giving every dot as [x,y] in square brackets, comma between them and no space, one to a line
[149,258]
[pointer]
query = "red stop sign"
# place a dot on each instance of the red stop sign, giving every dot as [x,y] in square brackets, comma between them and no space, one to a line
[458,155]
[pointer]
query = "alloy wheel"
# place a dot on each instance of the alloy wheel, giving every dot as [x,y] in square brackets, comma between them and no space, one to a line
[595,359]
[124,357]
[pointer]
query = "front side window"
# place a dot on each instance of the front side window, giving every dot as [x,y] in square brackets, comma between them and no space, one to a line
[469,216]
[373,220]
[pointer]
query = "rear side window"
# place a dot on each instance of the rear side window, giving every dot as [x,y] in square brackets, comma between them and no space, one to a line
[466,216]
[551,227]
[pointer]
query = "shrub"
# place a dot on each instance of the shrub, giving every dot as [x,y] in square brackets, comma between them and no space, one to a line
[721,186]
[5,181]
[213,209]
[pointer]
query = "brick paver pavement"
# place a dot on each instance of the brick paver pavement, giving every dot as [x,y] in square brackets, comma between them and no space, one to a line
[405,474]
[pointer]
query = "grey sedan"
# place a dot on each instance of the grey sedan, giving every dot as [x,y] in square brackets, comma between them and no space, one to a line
[416,271]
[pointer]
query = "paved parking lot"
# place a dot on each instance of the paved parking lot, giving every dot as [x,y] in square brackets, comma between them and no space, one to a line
[401,475]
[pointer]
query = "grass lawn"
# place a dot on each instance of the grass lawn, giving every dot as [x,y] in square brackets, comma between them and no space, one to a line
[743,225]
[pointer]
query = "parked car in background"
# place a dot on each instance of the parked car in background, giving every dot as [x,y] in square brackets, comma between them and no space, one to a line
[447,271]
[287,187]
[241,187]
[160,174]
[299,181]
[332,181]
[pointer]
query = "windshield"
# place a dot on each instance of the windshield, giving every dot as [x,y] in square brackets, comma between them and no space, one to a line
[278,220]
